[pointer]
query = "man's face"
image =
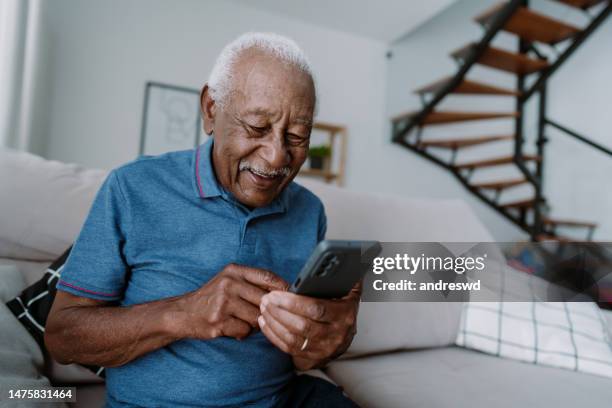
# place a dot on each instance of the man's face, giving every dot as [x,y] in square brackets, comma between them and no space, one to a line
[261,135]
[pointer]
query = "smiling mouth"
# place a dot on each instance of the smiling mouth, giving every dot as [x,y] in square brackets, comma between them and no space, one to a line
[263,181]
[264,175]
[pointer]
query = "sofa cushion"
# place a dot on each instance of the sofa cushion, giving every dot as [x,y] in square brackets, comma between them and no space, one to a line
[570,335]
[32,308]
[608,317]
[21,358]
[59,196]
[46,206]
[455,377]
[393,218]
[31,271]
[391,326]
[11,282]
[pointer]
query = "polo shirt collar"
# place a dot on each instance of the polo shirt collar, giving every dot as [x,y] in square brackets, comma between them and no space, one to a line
[206,181]
[207,185]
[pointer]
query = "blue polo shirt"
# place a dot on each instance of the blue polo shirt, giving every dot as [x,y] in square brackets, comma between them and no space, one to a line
[161,226]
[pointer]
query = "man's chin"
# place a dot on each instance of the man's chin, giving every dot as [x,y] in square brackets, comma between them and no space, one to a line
[256,197]
[259,193]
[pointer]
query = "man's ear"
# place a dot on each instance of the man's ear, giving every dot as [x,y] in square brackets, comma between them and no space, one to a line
[208,108]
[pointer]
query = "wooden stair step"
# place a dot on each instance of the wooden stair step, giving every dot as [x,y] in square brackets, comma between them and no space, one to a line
[467,87]
[461,143]
[503,60]
[522,204]
[550,237]
[441,117]
[581,4]
[494,162]
[568,223]
[500,185]
[530,25]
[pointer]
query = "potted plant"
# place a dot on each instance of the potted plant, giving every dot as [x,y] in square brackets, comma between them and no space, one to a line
[319,156]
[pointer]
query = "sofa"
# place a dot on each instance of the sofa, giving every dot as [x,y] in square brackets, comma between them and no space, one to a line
[403,354]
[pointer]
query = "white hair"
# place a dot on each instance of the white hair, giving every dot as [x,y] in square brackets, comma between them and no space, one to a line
[283,48]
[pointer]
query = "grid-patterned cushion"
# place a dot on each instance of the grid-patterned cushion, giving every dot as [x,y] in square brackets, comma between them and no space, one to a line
[571,335]
[32,306]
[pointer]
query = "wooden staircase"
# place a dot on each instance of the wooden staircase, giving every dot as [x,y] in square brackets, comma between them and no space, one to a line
[533,30]
[497,58]
[436,118]
[530,26]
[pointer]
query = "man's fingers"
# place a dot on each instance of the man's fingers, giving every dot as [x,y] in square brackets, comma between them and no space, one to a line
[234,327]
[244,310]
[261,277]
[355,292]
[273,337]
[311,351]
[293,342]
[294,323]
[249,292]
[315,309]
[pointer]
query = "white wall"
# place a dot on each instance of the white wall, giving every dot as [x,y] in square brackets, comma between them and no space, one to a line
[100,54]
[105,51]
[577,180]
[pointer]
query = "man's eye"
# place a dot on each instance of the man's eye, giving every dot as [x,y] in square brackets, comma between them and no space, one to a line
[258,129]
[295,139]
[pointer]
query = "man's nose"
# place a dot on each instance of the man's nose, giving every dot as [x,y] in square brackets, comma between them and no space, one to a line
[275,153]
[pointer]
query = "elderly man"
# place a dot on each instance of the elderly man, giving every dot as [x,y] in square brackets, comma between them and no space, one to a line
[177,282]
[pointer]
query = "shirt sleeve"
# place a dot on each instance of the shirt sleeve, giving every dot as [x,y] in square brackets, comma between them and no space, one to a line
[322,225]
[96,267]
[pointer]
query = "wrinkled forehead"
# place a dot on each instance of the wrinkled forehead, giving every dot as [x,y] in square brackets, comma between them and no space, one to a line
[264,84]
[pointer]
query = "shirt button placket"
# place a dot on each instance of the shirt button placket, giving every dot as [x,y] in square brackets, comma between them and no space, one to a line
[248,238]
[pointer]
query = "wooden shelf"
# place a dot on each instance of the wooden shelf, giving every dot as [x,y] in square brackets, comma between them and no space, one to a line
[333,168]
[327,127]
[327,175]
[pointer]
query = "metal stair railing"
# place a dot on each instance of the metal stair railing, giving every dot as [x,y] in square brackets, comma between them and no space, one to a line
[403,128]
[475,54]
[577,41]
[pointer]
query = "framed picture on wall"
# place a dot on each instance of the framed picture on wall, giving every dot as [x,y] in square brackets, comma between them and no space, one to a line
[171,119]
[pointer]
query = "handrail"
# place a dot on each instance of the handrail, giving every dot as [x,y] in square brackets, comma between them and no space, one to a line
[567,52]
[475,54]
[578,136]
[402,128]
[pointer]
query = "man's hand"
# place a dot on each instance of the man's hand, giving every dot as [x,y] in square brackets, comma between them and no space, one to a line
[313,331]
[111,335]
[228,305]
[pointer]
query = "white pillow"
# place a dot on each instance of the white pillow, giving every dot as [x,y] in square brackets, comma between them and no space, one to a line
[11,285]
[390,326]
[44,204]
[570,335]
[394,218]
[11,282]
[22,360]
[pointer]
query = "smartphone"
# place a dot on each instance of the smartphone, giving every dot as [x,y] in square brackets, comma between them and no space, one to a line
[334,267]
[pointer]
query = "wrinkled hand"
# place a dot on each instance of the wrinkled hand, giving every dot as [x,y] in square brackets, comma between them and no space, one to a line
[228,305]
[287,320]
